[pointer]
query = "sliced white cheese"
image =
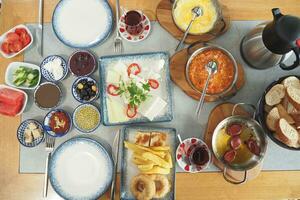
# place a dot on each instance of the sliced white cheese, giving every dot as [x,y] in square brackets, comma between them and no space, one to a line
[153,75]
[121,68]
[152,107]
[116,111]
[113,77]
[158,65]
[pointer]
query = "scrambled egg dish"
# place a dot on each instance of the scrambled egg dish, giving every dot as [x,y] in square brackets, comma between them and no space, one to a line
[182,15]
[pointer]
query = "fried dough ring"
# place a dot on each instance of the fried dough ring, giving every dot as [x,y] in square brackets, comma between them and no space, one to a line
[142,187]
[162,185]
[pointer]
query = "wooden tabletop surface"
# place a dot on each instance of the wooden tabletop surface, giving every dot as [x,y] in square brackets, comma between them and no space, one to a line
[268,185]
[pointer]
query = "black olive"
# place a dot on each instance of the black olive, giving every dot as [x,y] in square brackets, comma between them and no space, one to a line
[93,93]
[86,97]
[90,83]
[83,92]
[89,90]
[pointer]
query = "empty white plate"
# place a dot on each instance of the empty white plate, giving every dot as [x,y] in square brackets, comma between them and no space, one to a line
[82,24]
[81,168]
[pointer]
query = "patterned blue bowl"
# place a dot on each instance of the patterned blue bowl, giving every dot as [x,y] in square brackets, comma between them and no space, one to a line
[48,75]
[47,127]
[21,131]
[75,112]
[77,97]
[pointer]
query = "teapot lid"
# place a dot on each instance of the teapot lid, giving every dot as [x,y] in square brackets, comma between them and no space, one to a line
[283,34]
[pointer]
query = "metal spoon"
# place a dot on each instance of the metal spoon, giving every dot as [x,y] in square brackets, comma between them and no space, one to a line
[212,68]
[197,11]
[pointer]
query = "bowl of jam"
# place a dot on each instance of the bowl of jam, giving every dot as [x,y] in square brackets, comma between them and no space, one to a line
[193,155]
[82,63]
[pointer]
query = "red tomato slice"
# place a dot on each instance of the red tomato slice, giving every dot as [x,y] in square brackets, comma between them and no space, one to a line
[112,90]
[133,68]
[131,112]
[20,31]
[153,83]
[17,46]
[11,37]
[25,39]
[4,48]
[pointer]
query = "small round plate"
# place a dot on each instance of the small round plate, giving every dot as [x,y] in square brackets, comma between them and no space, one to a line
[74,115]
[77,97]
[182,159]
[21,131]
[49,75]
[81,168]
[134,38]
[82,24]
[47,127]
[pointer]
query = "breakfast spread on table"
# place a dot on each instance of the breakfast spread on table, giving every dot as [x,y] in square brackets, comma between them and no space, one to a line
[136,88]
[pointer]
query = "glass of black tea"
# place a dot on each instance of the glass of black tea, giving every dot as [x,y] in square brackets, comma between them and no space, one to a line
[134,22]
[200,156]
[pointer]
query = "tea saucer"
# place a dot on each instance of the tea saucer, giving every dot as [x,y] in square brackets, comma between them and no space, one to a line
[134,38]
[183,160]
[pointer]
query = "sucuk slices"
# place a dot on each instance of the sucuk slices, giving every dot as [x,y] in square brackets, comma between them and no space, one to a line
[235,142]
[234,129]
[230,155]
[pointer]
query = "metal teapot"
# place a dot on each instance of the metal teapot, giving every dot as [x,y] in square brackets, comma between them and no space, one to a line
[272,43]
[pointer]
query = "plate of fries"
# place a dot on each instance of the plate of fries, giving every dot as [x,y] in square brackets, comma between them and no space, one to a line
[148,163]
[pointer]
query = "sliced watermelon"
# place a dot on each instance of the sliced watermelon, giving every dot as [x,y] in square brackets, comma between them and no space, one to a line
[10,110]
[11,97]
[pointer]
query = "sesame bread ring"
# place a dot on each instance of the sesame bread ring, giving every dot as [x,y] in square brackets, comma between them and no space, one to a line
[162,185]
[142,187]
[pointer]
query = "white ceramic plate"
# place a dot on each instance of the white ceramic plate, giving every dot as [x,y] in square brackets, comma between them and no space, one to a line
[3,36]
[82,24]
[11,68]
[81,168]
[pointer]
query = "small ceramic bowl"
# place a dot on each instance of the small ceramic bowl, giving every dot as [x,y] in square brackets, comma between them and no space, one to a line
[76,55]
[76,95]
[183,159]
[76,111]
[18,90]
[134,38]
[49,75]
[3,37]
[21,131]
[35,98]
[12,67]
[47,127]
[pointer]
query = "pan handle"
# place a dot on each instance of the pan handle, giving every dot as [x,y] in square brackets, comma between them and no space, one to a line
[230,180]
[244,104]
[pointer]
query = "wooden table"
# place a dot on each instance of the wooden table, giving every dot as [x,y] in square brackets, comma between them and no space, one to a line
[269,184]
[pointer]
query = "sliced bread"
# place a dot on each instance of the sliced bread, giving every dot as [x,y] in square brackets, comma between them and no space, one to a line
[275,95]
[284,114]
[272,119]
[294,96]
[287,133]
[291,81]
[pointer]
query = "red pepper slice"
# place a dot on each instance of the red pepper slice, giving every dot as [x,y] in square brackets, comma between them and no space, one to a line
[133,68]
[112,90]
[153,83]
[131,112]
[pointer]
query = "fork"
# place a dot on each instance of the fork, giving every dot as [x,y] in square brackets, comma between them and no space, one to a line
[118,44]
[50,141]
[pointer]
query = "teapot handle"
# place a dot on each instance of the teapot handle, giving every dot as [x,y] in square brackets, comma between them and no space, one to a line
[295,64]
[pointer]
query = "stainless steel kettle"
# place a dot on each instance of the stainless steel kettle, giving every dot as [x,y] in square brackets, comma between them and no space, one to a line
[271,43]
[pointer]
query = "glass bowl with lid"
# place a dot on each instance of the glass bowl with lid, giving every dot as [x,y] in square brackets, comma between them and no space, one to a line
[223,81]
